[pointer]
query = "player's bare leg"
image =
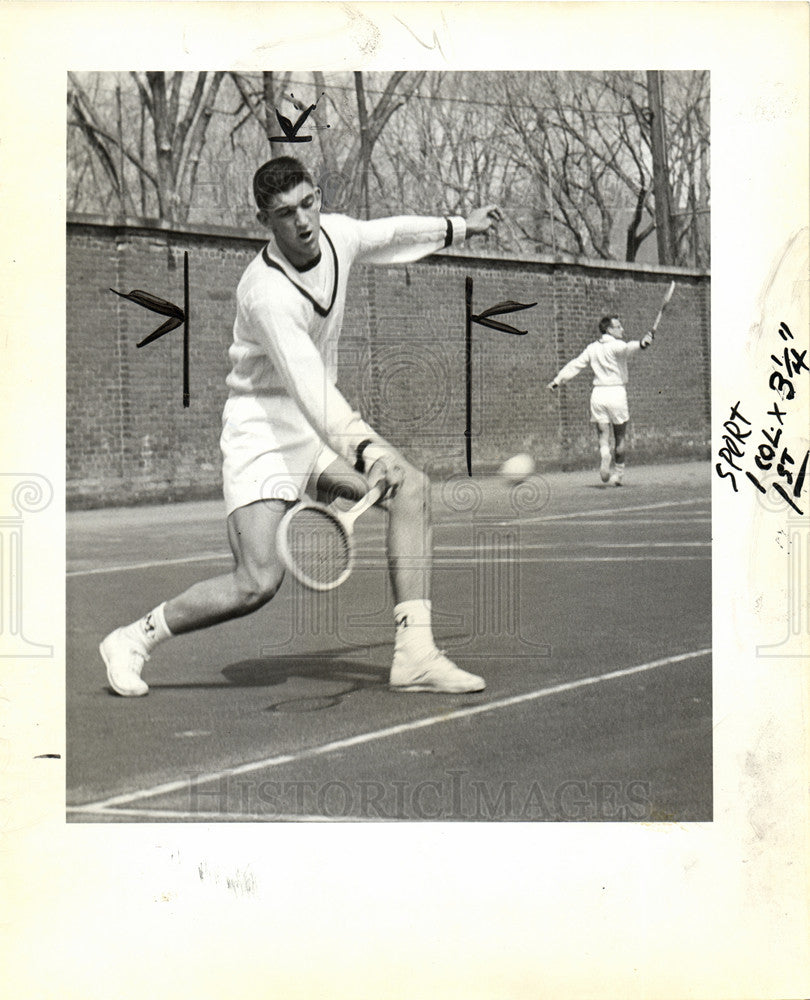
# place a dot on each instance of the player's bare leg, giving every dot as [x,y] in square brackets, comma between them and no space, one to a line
[418,665]
[254,579]
[603,433]
[619,436]
[409,533]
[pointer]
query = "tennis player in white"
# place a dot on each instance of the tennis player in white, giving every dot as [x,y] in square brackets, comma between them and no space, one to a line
[288,430]
[608,359]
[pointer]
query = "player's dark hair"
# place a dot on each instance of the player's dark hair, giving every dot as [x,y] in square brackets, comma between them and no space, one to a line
[277,176]
[605,322]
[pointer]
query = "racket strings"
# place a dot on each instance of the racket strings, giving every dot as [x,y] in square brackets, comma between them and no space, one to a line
[318,546]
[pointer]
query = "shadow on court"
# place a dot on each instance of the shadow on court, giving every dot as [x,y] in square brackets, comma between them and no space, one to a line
[278,673]
[588,610]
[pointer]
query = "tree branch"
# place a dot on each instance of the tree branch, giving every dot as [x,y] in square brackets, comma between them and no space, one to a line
[100,132]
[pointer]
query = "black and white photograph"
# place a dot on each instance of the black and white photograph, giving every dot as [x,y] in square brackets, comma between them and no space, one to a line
[404,540]
[400,321]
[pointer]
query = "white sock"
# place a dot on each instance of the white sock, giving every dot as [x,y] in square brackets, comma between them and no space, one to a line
[619,471]
[152,628]
[604,453]
[414,626]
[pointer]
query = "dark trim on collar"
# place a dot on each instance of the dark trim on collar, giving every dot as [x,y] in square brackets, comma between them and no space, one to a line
[319,309]
[308,266]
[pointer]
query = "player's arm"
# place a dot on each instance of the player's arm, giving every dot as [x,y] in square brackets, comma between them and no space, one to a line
[405,238]
[571,370]
[631,347]
[481,220]
[282,328]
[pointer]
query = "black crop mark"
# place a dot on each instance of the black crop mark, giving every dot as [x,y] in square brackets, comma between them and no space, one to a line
[483,319]
[291,129]
[176,317]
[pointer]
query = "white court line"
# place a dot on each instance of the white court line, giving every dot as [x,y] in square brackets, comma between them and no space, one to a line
[695,519]
[377,534]
[366,562]
[439,561]
[380,734]
[216,557]
[124,567]
[530,546]
[444,560]
[542,519]
[229,817]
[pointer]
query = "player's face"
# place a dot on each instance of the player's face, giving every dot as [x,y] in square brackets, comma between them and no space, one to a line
[295,219]
[616,329]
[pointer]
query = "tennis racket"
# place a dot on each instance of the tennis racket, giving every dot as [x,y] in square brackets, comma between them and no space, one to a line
[315,541]
[664,304]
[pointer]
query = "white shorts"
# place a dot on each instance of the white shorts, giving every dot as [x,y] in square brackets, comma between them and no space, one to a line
[269,450]
[609,405]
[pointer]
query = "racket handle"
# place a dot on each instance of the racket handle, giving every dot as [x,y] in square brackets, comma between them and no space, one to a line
[373,496]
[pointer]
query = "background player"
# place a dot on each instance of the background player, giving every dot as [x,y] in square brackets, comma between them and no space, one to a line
[287,429]
[608,359]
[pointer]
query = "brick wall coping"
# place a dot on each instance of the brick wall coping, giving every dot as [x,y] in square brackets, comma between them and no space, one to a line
[121,224]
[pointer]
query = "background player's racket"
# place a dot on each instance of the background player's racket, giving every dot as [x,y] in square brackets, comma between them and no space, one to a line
[664,304]
[315,541]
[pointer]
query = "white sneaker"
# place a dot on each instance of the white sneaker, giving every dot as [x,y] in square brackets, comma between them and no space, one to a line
[604,468]
[124,656]
[431,672]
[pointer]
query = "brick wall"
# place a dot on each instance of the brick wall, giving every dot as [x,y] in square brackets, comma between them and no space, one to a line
[401,361]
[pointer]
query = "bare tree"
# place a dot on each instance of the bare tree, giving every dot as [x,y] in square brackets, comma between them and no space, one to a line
[258,100]
[179,122]
[688,130]
[568,156]
[446,152]
[570,132]
[347,147]
[585,140]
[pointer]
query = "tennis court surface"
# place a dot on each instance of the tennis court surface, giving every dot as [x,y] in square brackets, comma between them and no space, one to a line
[587,609]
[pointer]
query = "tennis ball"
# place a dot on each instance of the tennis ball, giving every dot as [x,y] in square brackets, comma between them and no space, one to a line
[517,468]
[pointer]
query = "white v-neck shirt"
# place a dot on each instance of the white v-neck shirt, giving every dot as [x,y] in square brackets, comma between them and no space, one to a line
[283,399]
[608,359]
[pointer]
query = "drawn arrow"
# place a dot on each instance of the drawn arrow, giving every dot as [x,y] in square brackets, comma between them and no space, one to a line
[177,317]
[484,319]
[291,131]
[501,309]
[156,305]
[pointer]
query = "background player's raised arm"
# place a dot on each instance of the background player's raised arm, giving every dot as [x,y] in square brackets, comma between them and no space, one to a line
[571,370]
[607,357]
